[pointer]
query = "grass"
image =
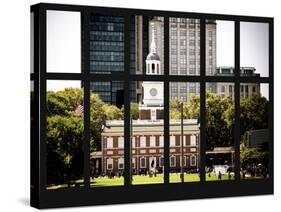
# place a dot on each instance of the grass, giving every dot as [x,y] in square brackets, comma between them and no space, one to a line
[141,180]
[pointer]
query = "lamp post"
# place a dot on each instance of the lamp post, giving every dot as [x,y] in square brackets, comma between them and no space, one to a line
[182,175]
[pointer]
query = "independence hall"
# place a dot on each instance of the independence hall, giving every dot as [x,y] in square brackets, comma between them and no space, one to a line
[147,135]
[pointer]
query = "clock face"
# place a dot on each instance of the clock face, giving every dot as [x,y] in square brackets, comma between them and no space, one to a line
[153,91]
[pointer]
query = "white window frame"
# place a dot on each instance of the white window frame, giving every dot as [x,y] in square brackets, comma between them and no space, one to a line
[175,161]
[120,161]
[184,160]
[161,141]
[141,166]
[109,142]
[172,141]
[152,141]
[121,142]
[107,163]
[142,141]
[133,142]
[195,160]
[193,140]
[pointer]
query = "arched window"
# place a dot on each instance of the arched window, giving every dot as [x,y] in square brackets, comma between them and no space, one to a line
[153,68]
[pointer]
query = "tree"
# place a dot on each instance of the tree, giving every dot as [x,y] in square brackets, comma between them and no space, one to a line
[219,129]
[65,132]
[64,148]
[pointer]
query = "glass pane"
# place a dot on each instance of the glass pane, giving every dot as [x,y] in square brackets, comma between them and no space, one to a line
[147,132]
[254,130]
[184,132]
[107,133]
[64,128]
[147,45]
[219,48]
[63,41]
[254,49]
[106,44]
[184,44]
[220,132]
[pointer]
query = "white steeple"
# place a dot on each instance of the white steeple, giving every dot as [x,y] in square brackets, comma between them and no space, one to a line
[153,59]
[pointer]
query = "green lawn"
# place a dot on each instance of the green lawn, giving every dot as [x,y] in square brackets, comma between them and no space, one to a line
[138,180]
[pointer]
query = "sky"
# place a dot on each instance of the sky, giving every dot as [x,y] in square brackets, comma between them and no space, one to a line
[253,47]
[64,46]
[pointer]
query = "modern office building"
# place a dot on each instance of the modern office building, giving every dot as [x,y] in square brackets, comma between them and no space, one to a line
[246,89]
[107,54]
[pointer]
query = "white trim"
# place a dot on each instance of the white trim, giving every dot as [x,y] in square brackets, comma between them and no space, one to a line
[121,142]
[133,142]
[193,140]
[109,142]
[184,160]
[175,161]
[161,141]
[172,141]
[152,141]
[142,141]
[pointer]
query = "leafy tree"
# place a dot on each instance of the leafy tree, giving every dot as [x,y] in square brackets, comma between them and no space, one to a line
[65,132]
[64,148]
[219,133]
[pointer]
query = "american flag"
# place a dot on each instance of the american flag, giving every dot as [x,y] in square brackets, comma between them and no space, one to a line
[79,109]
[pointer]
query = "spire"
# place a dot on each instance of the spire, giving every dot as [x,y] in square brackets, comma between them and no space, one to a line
[153,44]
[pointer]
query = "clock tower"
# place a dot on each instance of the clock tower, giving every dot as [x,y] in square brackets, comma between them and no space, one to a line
[153,91]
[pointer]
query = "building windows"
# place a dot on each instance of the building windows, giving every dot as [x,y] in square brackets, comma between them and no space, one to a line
[184,160]
[120,163]
[142,162]
[109,164]
[109,142]
[133,163]
[152,141]
[161,141]
[173,161]
[133,142]
[223,89]
[172,141]
[193,140]
[120,142]
[193,160]
[142,141]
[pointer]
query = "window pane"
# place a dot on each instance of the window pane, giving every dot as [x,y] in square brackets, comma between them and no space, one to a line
[184,132]
[63,41]
[64,128]
[107,133]
[147,131]
[254,49]
[254,130]
[184,44]
[106,44]
[147,45]
[219,48]
[220,132]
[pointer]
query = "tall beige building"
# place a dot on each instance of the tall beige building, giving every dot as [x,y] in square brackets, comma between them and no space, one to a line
[184,44]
